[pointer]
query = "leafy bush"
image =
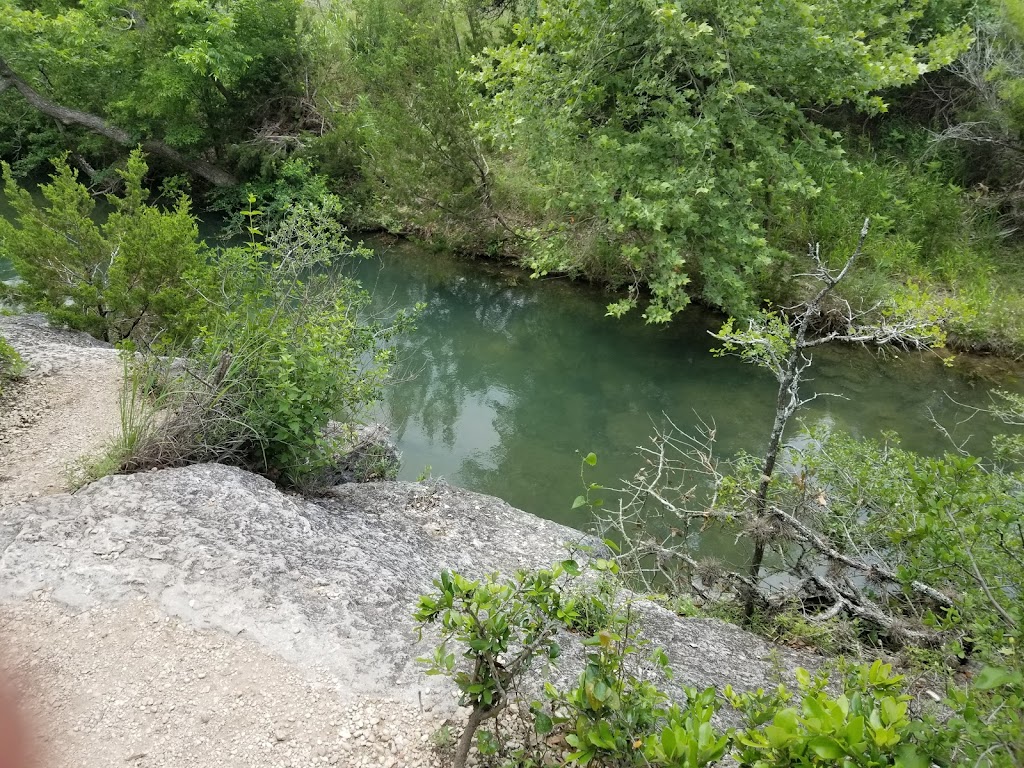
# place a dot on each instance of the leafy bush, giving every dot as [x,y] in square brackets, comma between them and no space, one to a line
[284,351]
[421,159]
[197,75]
[869,724]
[671,136]
[610,717]
[588,610]
[128,277]
[614,715]
[283,185]
[502,625]
[953,521]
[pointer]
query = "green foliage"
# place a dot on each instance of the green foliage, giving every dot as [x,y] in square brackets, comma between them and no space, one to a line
[613,715]
[11,364]
[989,727]
[953,521]
[490,618]
[874,722]
[125,278]
[284,351]
[501,626]
[194,73]
[1009,408]
[420,156]
[589,610]
[671,135]
[867,725]
[284,185]
[610,717]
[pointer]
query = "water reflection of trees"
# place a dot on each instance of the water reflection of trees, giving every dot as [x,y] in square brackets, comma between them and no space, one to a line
[508,378]
[537,364]
[456,352]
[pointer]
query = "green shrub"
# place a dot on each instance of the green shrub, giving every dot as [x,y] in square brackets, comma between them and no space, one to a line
[285,350]
[283,185]
[869,724]
[615,716]
[611,717]
[589,609]
[500,626]
[125,278]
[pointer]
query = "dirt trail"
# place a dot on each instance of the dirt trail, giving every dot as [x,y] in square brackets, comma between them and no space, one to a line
[125,685]
[49,423]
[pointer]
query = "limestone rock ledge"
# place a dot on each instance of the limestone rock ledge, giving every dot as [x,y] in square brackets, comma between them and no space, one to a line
[327,583]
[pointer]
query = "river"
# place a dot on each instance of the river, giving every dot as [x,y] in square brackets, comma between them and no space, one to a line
[507,381]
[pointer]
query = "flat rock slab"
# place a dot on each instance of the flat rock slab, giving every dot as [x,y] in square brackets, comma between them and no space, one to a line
[328,584]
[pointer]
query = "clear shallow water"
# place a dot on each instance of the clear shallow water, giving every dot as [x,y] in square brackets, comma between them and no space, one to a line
[507,377]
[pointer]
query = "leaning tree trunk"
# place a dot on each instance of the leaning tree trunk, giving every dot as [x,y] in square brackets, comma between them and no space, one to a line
[786,405]
[68,116]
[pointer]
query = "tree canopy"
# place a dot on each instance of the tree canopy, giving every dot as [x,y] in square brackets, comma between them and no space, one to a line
[191,75]
[677,134]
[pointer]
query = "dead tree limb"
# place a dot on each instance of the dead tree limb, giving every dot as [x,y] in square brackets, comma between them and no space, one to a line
[803,533]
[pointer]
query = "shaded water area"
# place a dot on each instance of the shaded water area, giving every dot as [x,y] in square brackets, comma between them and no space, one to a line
[506,378]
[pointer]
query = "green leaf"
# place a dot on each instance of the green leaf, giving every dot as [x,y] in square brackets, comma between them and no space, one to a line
[996,677]
[908,756]
[668,741]
[542,724]
[591,459]
[778,737]
[571,567]
[855,731]
[826,748]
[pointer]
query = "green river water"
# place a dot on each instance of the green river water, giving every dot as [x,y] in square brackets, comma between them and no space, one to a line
[507,378]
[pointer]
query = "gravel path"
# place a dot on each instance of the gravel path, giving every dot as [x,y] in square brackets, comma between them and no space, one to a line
[63,410]
[125,685]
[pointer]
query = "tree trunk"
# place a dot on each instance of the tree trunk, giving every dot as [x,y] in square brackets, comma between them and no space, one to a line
[68,116]
[788,402]
[785,406]
[476,717]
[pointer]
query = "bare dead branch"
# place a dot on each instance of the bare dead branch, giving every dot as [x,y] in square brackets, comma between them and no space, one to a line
[871,570]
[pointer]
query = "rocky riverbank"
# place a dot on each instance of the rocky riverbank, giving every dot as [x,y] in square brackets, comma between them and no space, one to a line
[200,616]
